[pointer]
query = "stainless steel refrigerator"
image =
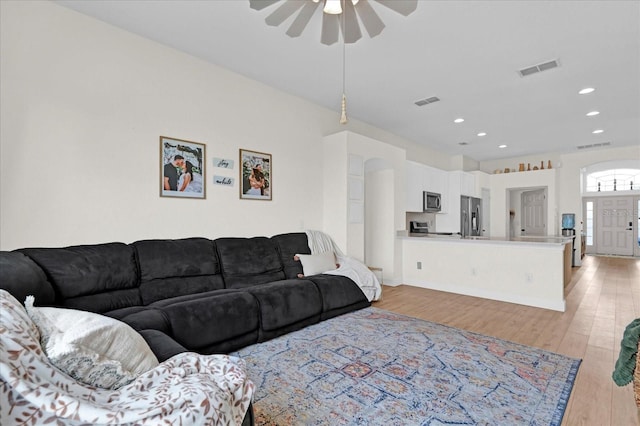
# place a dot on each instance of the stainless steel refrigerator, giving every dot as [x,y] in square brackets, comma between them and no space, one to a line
[470,216]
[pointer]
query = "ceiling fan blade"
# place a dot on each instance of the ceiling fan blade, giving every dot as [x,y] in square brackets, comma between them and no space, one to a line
[261,4]
[330,29]
[279,15]
[350,26]
[404,7]
[370,19]
[302,19]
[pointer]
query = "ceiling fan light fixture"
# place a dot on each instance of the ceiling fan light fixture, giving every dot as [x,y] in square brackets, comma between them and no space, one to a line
[332,7]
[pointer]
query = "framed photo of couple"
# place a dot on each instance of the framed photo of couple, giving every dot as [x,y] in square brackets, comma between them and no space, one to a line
[255,175]
[182,168]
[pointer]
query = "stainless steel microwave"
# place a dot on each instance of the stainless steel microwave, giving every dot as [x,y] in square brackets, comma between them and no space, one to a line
[432,202]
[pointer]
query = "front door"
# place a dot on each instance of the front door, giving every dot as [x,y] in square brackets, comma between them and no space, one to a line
[615,226]
[534,212]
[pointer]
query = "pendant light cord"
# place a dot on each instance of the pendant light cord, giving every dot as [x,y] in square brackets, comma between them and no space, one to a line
[344,48]
[343,116]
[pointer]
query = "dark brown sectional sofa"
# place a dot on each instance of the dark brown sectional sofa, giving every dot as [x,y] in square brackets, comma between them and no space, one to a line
[194,294]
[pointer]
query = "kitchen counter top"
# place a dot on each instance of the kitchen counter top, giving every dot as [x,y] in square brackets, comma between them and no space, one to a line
[555,241]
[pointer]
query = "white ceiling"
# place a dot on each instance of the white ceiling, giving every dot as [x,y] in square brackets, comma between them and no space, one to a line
[467,53]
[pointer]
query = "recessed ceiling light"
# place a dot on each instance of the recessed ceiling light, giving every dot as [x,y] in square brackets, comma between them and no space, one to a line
[592,113]
[458,120]
[586,90]
[595,132]
[502,146]
[482,134]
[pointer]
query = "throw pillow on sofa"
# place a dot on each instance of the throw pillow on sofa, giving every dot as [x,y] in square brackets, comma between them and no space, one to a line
[313,264]
[93,349]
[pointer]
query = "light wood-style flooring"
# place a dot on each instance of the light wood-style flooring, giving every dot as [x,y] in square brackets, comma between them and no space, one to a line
[601,299]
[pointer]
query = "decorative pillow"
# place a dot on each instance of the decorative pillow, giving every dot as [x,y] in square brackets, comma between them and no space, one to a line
[93,349]
[313,264]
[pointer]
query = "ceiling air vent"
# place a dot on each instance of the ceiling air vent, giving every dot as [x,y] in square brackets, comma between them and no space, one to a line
[539,68]
[423,102]
[594,145]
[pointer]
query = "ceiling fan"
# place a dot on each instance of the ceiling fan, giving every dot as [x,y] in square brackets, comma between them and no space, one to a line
[332,20]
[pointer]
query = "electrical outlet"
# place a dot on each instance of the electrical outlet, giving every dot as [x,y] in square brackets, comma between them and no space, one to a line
[474,272]
[419,265]
[528,277]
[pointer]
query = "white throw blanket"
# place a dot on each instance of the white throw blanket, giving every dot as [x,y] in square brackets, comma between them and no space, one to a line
[319,242]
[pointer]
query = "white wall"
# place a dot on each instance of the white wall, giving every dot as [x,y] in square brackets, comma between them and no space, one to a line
[379,219]
[376,156]
[567,170]
[82,107]
[502,184]
[569,194]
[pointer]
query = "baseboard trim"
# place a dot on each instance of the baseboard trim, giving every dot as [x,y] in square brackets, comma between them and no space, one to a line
[559,306]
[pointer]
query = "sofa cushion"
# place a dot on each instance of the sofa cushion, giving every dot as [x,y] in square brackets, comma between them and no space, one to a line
[21,277]
[201,321]
[170,268]
[283,303]
[96,278]
[142,318]
[288,246]
[246,262]
[93,349]
[163,346]
[338,292]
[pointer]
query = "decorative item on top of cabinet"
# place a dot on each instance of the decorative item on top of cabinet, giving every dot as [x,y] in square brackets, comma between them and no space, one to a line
[549,164]
[528,167]
[542,165]
[521,168]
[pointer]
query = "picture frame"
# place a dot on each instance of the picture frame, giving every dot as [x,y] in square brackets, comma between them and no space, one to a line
[255,175]
[182,168]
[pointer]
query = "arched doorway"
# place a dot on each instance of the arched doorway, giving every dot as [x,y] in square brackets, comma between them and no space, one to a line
[379,198]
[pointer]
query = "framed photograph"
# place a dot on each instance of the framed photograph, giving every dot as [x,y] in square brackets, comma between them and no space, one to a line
[182,168]
[255,175]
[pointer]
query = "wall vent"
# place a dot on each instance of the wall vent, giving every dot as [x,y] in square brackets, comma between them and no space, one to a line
[594,145]
[426,101]
[539,68]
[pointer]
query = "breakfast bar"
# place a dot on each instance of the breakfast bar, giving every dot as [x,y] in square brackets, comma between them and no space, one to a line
[529,271]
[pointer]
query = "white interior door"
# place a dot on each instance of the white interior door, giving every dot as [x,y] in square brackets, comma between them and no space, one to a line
[614,226]
[534,212]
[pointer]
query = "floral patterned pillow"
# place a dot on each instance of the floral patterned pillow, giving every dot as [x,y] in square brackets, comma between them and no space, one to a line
[93,349]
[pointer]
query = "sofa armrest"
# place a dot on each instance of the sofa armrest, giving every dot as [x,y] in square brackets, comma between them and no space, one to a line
[163,346]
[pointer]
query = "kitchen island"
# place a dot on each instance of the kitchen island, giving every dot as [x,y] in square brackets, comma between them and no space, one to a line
[529,271]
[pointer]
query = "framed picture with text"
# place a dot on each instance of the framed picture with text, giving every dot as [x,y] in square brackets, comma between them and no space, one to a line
[182,168]
[256,179]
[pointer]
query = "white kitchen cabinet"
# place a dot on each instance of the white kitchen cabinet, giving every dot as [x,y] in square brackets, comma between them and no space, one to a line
[422,178]
[468,184]
[436,180]
[449,221]
[414,186]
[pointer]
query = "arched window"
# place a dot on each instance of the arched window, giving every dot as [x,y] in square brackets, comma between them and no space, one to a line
[613,180]
[612,176]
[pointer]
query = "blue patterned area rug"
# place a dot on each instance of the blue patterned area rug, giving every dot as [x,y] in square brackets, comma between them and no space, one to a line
[374,367]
